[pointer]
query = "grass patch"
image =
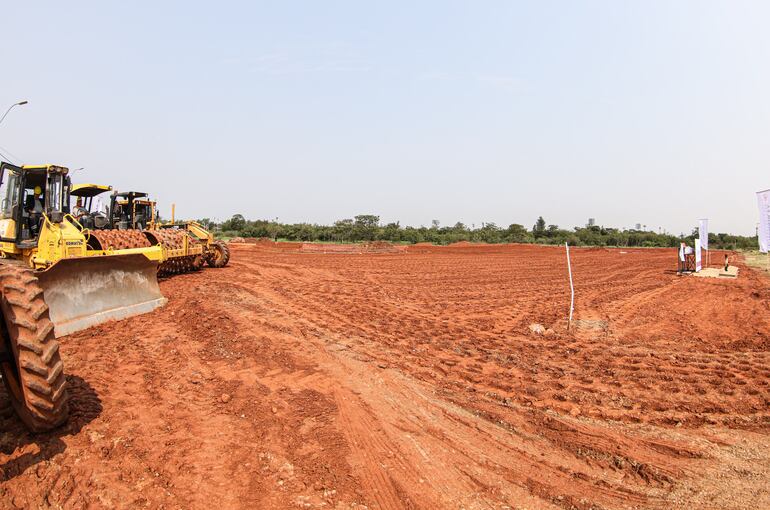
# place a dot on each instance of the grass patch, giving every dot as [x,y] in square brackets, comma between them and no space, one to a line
[757,260]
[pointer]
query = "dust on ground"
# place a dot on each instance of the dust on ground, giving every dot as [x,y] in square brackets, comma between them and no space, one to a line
[430,377]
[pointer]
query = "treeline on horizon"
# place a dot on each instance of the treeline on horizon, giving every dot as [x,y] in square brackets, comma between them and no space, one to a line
[367,228]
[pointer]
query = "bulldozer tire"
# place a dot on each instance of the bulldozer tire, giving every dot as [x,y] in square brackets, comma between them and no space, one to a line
[32,368]
[220,255]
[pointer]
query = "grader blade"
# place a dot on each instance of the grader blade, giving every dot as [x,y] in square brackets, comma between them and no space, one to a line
[86,291]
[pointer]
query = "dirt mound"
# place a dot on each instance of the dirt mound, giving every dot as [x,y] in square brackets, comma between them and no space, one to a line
[372,247]
[330,248]
[381,247]
[237,240]
[264,241]
[287,246]
[269,244]
[422,248]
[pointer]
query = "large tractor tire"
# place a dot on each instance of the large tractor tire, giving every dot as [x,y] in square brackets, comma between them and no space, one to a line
[220,255]
[30,363]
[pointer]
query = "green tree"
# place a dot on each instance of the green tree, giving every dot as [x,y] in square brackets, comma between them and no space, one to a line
[516,233]
[343,230]
[365,227]
[237,222]
[538,230]
[391,232]
[367,220]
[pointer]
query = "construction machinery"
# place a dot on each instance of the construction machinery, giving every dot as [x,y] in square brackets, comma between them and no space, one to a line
[126,211]
[85,194]
[186,245]
[57,278]
[131,210]
[215,253]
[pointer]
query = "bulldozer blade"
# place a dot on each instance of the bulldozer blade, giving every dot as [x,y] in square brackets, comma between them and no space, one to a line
[86,291]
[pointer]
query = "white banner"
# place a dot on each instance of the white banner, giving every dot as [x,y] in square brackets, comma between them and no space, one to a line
[698,266]
[763,200]
[703,232]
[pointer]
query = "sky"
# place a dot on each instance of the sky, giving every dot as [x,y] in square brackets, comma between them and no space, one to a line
[650,112]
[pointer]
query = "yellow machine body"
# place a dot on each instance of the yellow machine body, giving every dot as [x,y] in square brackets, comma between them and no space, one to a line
[185,245]
[82,286]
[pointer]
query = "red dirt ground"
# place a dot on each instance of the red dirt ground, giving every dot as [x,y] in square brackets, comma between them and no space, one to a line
[413,380]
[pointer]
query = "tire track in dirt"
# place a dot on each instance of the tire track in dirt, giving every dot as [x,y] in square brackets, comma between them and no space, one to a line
[300,380]
[384,487]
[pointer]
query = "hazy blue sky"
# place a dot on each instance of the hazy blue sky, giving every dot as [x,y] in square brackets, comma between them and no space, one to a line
[648,112]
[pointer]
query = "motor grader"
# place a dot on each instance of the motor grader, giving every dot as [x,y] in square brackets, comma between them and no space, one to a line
[186,245]
[56,278]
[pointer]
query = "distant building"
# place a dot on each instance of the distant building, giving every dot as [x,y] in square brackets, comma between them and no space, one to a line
[638,226]
[591,222]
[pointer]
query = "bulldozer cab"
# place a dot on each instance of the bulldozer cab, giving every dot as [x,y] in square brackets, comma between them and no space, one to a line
[29,193]
[88,208]
[131,210]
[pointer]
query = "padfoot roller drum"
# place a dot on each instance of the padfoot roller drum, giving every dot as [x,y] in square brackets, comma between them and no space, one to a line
[117,239]
[183,252]
[168,238]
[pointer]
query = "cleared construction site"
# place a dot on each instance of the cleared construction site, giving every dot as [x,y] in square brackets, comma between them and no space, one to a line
[502,255]
[423,377]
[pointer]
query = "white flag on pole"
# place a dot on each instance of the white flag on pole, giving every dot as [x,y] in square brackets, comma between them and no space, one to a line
[704,233]
[698,266]
[763,201]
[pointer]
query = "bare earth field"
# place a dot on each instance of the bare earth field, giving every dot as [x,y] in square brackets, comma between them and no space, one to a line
[296,378]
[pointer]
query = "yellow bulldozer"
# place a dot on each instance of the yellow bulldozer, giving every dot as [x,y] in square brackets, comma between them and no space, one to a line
[131,220]
[57,278]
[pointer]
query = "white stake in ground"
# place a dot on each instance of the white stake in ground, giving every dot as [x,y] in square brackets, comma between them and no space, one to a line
[571,288]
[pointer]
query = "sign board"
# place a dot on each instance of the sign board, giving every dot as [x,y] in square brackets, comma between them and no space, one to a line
[698,266]
[763,201]
[703,233]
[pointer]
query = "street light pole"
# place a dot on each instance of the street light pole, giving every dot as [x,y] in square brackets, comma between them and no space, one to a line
[20,103]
